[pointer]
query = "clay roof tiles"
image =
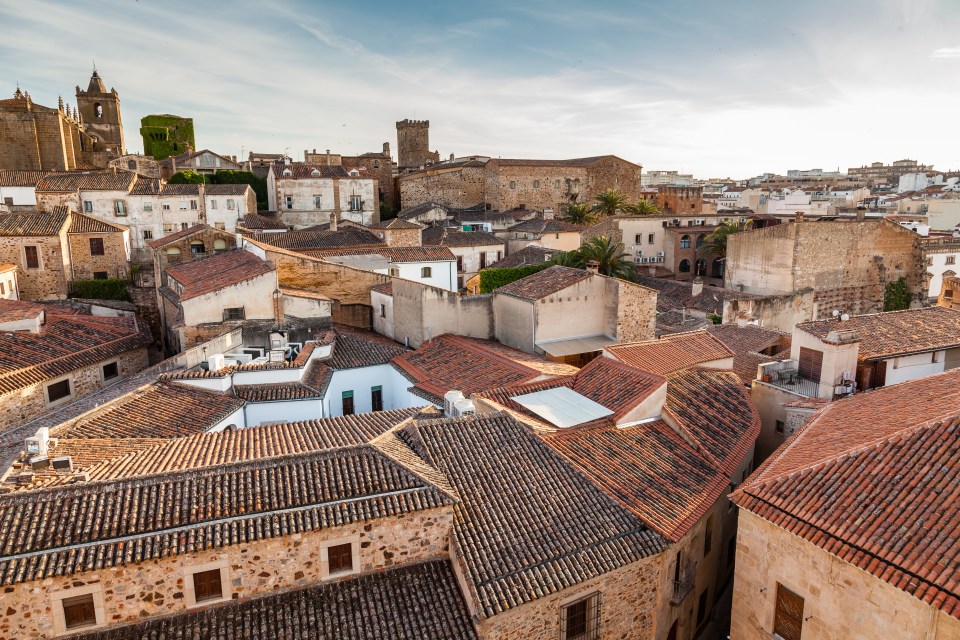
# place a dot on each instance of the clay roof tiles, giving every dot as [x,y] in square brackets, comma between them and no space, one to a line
[415,602]
[33,223]
[146,186]
[544,283]
[80,223]
[532,254]
[255,221]
[672,352]
[393,254]
[892,333]
[18,178]
[220,270]
[88,181]
[355,349]
[541,226]
[454,237]
[395,223]
[528,524]
[299,240]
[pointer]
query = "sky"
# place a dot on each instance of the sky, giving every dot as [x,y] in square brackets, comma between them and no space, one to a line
[716,89]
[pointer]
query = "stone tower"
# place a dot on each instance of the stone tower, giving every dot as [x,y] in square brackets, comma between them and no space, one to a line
[413,144]
[100,113]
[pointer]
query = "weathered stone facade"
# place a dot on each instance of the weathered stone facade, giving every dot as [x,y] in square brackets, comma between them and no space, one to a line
[88,263]
[413,144]
[28,403]
[162,586]
[49,281]
[457,185]
[675,199]
[841,601]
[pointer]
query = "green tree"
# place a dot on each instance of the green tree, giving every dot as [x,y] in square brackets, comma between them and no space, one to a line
[716,242]
[610,258]
[609,202]
[569,259]
[187,177]
[579,214]
[896,295]
[642,208]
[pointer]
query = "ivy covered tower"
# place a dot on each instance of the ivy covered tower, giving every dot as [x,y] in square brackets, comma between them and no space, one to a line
[100,113]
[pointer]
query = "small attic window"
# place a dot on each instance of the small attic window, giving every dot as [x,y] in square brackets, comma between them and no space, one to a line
[287,172]
[315,173]
[354,172]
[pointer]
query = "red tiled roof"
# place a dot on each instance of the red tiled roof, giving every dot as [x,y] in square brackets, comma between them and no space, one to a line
[450,362]
[649,469]
[16,178]
[454,237]
[572,162]
[395,223]
[672,352]
[183,233]
[87,181]
[303,171]
[393,254]
[886,505]
[33,224]
[80,223]
[532,254]
[543,283]
[541,226]
[255,221]
[220,270]
[893,333]
[300,240]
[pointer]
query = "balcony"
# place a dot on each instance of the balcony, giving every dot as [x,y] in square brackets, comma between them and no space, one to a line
[785,374]
[683,586]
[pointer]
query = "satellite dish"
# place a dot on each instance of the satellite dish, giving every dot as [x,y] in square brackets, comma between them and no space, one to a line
[845,317]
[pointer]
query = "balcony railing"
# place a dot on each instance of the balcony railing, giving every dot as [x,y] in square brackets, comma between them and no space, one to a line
[785,374]
[683,586]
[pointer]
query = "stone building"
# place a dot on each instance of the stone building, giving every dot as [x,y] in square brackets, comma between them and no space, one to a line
[558,235]
[203,161]
[100,113]
[675,199]
[413,144]
[166,135]
[843,534]
[474,249]
[457,183]
[849,264]
[142,165]
[376,164]
[307,195]
[19,188]
[52,355]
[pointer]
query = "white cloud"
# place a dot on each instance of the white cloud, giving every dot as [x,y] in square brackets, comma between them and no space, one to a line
[946,52]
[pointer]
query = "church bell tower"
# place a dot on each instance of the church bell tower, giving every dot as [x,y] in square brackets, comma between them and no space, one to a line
[100,113]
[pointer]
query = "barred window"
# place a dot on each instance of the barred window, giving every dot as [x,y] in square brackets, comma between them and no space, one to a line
[580,620]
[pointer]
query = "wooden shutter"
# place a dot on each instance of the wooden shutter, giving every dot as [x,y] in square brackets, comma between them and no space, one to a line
[811,362]
[788,621]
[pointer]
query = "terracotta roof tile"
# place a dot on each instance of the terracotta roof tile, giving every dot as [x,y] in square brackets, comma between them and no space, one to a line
[87,181]
[415,602]
[544,283]
[299,240]
[256,222]
[173,237]
[215,272]
[541,226]
[18,178]
[672,352]
[532,254]
[395,223]
[454,237]
[303,171]
[33,224]
[146,186]
[355,349]
[80,223]
[393,254]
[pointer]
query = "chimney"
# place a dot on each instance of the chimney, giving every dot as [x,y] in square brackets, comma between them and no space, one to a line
[593,266]
[799,216]
[697,287]
[328,157]
[386,149]
[334,217]
[452,157]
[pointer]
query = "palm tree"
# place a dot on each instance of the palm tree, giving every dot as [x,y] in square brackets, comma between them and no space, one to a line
[569,259]
[643,208]
[579,214]
[610,258]
[716,242]
[610,201]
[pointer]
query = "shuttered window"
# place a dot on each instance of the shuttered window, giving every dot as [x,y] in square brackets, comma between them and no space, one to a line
[207,585]
[788,620]
[79,611]
[811,362]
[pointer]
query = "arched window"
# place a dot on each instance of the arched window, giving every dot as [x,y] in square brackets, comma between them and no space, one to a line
[219,245]
[132,165]
[98,110]
[716,270]
[173,251]
[197,248]
[684,266]
[685,242]
[701,240]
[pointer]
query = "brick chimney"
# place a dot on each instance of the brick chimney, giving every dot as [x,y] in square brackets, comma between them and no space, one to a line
[697,287]
[593,266]
[799,216]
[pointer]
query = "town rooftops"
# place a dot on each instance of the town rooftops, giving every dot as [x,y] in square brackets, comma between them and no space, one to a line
[169,189]
[544,283]
[420,209]
[572,162]
[302,171]
[33,223]
[532,254]
[751,346]
[220,270]
[67,341]
[895,333]
[672,352]
[395,223]
[393,254]
[80,223]
[67,181]
[18,178]
[519,494]
[450,362]
[540,226]
[454,237]
[260,222]
[326,239]
[871,480]
[420,601]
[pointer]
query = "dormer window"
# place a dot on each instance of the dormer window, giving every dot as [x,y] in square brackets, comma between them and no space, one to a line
[354,173]
[287,173]
[315,173]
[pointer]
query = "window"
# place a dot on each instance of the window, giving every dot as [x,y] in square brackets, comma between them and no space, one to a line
[87,206]
[638,238]
[100,275]
[148,234]
[811,362]
[98,110]
[684,242]
[2,289]
[556,184]
[166,206]
[183,205]
[376,397]
[111,370]
[289,202]
[536,184]
[96,246]
[580,620]
[513,184]
[684,266]
[219,245]
[231,204]
[781,425]
[702,607]
[233,313]
[220,225]
[376,164]
[132,165]
[651,238]
[459,263]
[426,272]
[347,400]
[788,618]
[184,226]
[58,390]
[32,256]
[708,537]
[317,202]
[356,204]
[7,201]
[79,611]
[383,311]
[483,259]
[340,558]
[173,251]
[197,248]
[207,585]
[119,207]
[193,205]
[951,260]
[213,204]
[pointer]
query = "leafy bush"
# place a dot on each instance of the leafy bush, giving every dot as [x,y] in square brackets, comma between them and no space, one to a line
[225,176]
[491,279]
[110,289]
[896,296]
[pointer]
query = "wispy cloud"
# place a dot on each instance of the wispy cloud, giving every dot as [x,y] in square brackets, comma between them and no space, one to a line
[946,52]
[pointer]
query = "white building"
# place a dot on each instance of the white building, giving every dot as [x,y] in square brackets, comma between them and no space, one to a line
[19,187]
[434,266]
[308,195]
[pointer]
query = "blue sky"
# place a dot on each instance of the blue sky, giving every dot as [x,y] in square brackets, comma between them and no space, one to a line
[715,88]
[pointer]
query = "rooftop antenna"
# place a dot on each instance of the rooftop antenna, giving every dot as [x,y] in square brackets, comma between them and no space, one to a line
[94,66]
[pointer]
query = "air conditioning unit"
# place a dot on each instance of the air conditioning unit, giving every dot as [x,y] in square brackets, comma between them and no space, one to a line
[638,260]
[277,355]
[660,254]
[464,408]
[659,258]
[450,399]
[40,443]
[639,252]
[216,362]
[700,222]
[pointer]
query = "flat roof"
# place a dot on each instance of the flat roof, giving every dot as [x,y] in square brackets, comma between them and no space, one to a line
[573,346]
[562,406]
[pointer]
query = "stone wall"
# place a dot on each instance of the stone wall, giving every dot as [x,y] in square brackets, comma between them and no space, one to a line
[47,283]
[113,262]
[634,308]
[841,601]
[458,188]
[628,607]
[161,586]
[400,237]
[778,312]
[422,312]
[28,403]
[413,143]
[676,199]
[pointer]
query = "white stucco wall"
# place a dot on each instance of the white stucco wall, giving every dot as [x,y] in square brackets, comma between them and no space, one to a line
[254,295]
[382,324]
[20,195]
[361,381]
[913,367]
[289,411]
[443,274]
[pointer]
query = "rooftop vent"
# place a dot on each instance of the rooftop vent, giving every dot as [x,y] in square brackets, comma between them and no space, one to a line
[450,399]
[216,362]
[464,408]
[63,464]
[40,443]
